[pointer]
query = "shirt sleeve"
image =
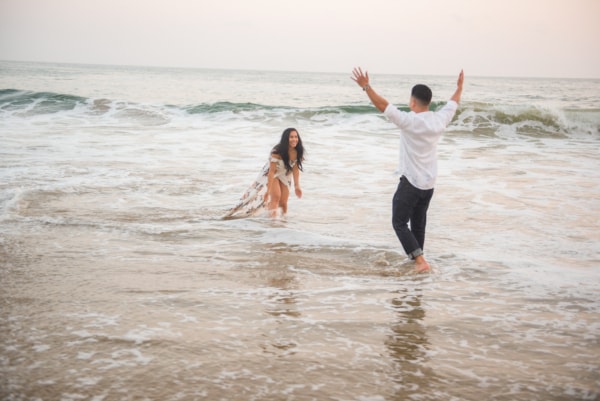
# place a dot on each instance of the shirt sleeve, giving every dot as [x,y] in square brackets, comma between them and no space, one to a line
[448,111]
[395,115]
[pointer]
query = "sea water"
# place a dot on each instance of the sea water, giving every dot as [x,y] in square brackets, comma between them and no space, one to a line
[119,279]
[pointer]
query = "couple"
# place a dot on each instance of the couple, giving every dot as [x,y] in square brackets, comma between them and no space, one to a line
[420,131]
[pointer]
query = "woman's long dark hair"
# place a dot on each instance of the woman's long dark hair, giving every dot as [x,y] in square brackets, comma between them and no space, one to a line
[284,144]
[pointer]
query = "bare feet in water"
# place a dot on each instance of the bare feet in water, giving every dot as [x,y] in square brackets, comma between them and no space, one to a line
[421,264]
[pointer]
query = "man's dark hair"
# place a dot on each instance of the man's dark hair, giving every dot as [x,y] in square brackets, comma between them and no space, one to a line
[422,93]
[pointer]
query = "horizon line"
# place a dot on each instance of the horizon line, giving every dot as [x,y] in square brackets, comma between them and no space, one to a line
[161,66]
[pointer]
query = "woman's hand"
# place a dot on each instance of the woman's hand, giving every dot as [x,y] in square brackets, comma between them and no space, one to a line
[298,192]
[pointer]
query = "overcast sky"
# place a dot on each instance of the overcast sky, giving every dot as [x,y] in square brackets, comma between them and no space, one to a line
[540,38]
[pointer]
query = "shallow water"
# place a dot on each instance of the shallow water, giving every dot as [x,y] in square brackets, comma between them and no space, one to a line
[120,280]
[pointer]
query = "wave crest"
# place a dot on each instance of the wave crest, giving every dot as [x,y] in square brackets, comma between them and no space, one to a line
[472,117]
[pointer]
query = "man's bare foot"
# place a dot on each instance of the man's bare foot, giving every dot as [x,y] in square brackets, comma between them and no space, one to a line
[421,264]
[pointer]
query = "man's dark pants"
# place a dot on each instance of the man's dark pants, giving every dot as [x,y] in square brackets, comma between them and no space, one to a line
[410,205]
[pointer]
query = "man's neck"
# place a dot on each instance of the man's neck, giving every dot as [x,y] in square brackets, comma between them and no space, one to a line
[418,109]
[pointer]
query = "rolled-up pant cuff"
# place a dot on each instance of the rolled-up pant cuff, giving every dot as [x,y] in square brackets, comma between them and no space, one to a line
[415,253]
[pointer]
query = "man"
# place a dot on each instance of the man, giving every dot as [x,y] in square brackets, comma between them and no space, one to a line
[420,130]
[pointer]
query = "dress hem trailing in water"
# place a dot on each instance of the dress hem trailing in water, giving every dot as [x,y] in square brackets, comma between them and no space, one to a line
[252,201]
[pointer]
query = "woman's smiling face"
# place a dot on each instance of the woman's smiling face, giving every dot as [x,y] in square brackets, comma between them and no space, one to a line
[293,139]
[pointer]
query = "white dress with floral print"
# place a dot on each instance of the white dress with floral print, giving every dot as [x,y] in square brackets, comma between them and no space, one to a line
[252,201]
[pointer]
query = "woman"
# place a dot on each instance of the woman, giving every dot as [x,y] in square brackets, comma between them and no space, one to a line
[285,164]
[272,186]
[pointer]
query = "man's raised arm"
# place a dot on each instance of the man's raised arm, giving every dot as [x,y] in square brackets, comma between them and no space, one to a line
[459,87]
[363,81]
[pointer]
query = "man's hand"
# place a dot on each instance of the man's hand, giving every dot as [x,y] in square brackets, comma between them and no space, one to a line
[362,79]
[461,78]
[459,87]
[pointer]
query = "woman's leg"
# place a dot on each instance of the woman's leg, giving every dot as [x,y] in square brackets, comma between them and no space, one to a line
[285,194]
[274,197]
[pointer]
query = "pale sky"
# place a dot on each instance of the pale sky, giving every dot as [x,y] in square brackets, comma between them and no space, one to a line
[529,38]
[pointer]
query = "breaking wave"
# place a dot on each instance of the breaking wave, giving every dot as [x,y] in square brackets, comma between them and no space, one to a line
[479,118]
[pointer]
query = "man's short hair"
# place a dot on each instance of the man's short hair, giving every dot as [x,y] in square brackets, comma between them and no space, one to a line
[422,93]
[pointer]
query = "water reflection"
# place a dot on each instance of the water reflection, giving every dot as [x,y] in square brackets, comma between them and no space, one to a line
[407,345]
[281,303]
[281,281]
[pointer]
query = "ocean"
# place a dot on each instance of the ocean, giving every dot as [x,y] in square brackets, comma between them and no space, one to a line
[120,280]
